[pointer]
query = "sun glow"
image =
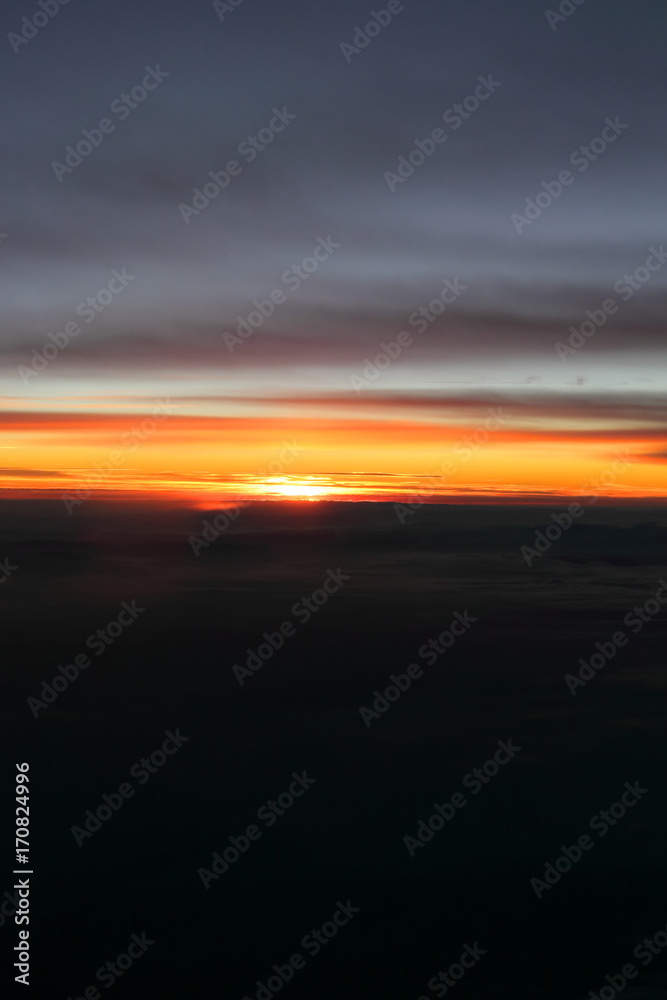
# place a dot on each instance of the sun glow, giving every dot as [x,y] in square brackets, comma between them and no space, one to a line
[294,490]
[72,457]
[306,488]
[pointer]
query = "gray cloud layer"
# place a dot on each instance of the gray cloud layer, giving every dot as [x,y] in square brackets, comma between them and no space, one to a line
[324,175]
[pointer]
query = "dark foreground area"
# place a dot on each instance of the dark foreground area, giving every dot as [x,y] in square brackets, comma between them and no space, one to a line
[352,883]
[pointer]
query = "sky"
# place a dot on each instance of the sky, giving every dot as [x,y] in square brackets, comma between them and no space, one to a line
[450,194]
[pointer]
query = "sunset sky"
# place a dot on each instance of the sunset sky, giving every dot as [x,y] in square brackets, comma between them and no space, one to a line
[322,324]
[159,394]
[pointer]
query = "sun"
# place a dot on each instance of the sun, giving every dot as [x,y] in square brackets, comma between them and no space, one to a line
[298,490]
[316,486]
[295,487]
